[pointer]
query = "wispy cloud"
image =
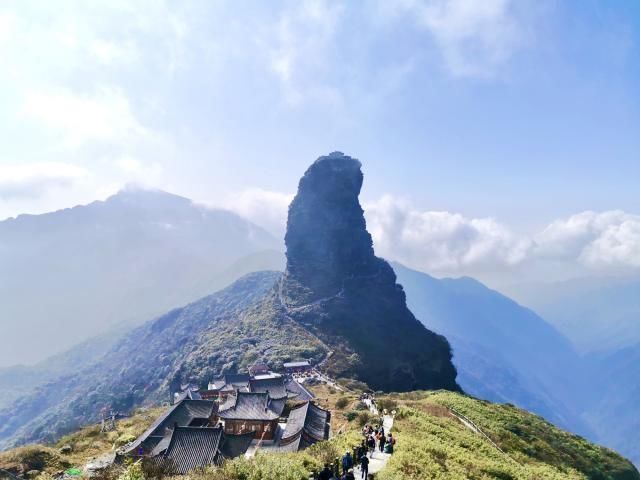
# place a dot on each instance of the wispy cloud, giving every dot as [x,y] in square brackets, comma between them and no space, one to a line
[265,208]
[80,118]
[475,38]
[301,47]
[35,179]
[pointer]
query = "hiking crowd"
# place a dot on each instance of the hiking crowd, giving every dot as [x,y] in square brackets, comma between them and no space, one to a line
[373,439]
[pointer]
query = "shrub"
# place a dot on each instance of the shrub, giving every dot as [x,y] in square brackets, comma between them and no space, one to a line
[386,403]
[132,472]
[351,416]
[365,418]
[342,402]
[361,406]
[124,439]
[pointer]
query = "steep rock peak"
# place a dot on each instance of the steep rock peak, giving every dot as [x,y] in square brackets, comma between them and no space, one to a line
[327,240]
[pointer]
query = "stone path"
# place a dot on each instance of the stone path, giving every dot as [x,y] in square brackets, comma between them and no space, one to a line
[379,459]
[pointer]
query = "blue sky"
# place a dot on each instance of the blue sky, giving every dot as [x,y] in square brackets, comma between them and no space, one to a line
[508,119]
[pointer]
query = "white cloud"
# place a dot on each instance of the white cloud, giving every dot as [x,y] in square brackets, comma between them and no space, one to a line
[265,208]
[452,244]
[441,241]
[597,240]
[34,179]
[82,118]
[300,50]
[7,27]
[109,52]
[475,38]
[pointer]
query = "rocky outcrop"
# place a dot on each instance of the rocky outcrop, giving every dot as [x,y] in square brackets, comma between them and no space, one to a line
[335,286]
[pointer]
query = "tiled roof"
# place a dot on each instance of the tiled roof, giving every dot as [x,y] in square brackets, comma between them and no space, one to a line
[306,425]
[295,422]
[162,445]
[251,406]
[192,448]
[316,424]
[181,413]
[235,445]
[231,381]
[274,386]
[298,391]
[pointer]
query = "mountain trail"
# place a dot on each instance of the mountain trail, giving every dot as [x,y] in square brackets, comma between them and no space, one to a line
[378,460]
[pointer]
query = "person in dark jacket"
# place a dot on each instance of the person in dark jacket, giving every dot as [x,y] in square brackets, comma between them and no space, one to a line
[326,473]
[382,441]
[371,443]
[347,462]
[364,466]
[362,450]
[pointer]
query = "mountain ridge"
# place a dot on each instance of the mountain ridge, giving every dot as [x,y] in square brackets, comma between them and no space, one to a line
[125,259]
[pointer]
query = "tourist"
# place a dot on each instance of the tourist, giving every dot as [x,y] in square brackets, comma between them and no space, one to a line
[364,466]
[347,462]
[326,473]
[382,441]
[362,450]
[390,444]
[371,443]
[349,475]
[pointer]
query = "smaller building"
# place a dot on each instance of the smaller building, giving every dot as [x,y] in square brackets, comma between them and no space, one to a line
[190,393]
[226,384]
[307,424]
[297,367]
[251,412]
[186,413]
[190,448]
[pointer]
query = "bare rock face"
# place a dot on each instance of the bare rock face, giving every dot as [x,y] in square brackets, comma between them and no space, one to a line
[327,241]
[336,286]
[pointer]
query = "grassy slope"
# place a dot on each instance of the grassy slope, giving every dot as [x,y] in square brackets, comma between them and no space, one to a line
[432,444]
[87,444]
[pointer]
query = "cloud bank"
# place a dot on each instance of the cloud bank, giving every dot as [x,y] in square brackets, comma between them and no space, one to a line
[605,239]
[447,243]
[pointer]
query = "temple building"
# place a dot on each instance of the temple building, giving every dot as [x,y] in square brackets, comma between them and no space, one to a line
[191,447]
[227,384]
[307,424]
[251,412]
[186,413]
[297,367]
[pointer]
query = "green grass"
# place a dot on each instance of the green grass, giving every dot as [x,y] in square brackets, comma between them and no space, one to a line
[433,444]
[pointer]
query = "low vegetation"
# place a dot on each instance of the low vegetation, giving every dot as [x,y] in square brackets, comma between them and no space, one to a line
[78,448]
[434,444]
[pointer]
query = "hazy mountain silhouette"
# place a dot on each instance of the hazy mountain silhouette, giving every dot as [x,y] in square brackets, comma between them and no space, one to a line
[503,352]
[69,275]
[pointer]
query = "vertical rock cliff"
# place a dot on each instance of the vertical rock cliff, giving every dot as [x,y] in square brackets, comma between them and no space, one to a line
[335,286]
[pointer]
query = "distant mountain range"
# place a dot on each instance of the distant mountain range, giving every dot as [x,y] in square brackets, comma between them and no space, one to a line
[595,313]
[69,275]
[504,352]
